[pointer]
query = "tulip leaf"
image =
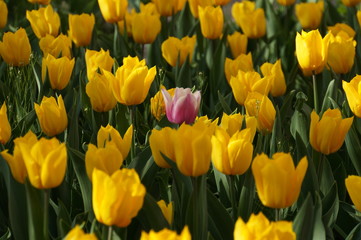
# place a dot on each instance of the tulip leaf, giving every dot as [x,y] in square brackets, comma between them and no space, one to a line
[355,234]
[224,104]
[300,125]
[353,146]
[351,210]
[287,105]
[222,186]
[246,199]
[330,93]
[7,235]
[330,206]
[277,134]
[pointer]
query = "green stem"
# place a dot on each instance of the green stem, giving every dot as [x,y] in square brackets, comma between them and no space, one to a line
[110,230]
[315,94]
[232,195]
[115,39]
[320,167]
[277,214]
[133,120]
[46,213]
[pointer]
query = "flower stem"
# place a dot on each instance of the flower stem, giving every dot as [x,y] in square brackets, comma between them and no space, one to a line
[133,120]
[115,39]
[277,214]
[315,94]
[110,230]
[232,195]
[46,213]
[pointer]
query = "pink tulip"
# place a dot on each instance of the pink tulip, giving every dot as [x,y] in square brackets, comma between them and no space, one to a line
[184,105]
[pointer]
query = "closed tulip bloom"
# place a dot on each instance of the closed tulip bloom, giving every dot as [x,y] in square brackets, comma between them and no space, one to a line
[44,21]
[160,142]
[328,134]
[350,3]
[211,20]
[286,2]
[221,2]
[52,115]
[169,7]
[127,23]
[78,234]
[176,50]
[97,60]
[277,180]
[157,105]
[5,128]
[44,2]
[353,94]
[117,198]
[167,234]
[237,43]
[233,123]
[59,46]
[194,4]
[109,134]
[15,48]
[167,210]
[59,71]
[81,28]
[243,62]
[113,10]
[312,51]
[353,186]
[3,14]
[145,27]
[107,158]
[309,14]
[276,77]
[342,27]
[358,15]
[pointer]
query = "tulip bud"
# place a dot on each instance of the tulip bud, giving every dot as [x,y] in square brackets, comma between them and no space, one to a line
[286,2]
[238,43]
[9,48]
[44,21]
[353,94]
[157,105]
[167,210]
[211,20]
[353,186]
[146,25]
[5,128]
[56,46]
[43,2]
[127,23]
[160,142]
[97,60]
[233,123]
[350,3]
[309,14]
[169,7]
[59,71]
[194,4]
[3,14]
[113,11]
[243,62]
[78,234]
[167,234]
[338,27]
[81,28]
[276,77]
[176,50]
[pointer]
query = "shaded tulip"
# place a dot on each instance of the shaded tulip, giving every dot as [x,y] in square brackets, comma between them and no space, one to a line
[237,43]
[358,15]
[167,234]
[113,10]
[59,46]
[350,3]
[44,2]
[353,186]
[233,123]
[44,21]
[149,8]
[52,115]
[97,60]
[176,50]
[122,192]
[145,27]
[276,77]
[81,28]
[328,134]
[157,105]
[3,14]
[338,27]
[353,94]
[286,2]
[211,20]
[183,106]
[59,71]
[160,142]
[194,4]
[243,62]
[78,234]
[221,2]
[5,128]
[109,134]
[127,23]
[167,210]
[15,48]
[252,21]
[309,14]
[169,7]
[312,51]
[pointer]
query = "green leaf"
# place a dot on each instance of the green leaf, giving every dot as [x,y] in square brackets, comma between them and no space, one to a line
[353,147]
[247,197]
[224,104]
[355,234]
[6,235]
[330,94]
[330,207]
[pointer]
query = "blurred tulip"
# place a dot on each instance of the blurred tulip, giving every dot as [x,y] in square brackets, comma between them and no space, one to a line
[3,14]
[169,7]
[167,210]
[160,142]
[353,186]
[328,134]
[338,27]
[81,28]
[358,15]
[157,105]
[238,43]
[122,192]
[353,94]
[194,4]
[286,2]
[243,62]
[276,77]
[113,10]
[44,2]
[167,234]
[59,71]
[56,46]
[5,128]
[233,123]
[312,51]
[44,21]
[128,23]
[97,60]
[15,48]
[52,115]
[132,81]
[176,50]
[145,27]
[221,2]
[78,234]
[183,106]
[350,3]
[309,14]
[211,20]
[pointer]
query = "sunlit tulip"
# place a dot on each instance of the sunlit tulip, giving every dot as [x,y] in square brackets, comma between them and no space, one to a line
[309,14]
[328,134]
[286,2]
[233,123]
[167,234]
[3,14]
[212,124]
[351,3]
[237,43]
[353,94]
[78,234]
[157,105]
[44,2]
[59,46]
[167,210]
[243,62]
[97,60]
[5,128]
[176,50]
[127,23]
[211,20]
[15,48]
[122,192]
[52,115]
[312,51]
[145,27]
[221,2]
[353,186]
[113,10]
[338,27]
[276,77]
[194,4]
[59,71]
[81,28]
[160,142]
[44,21]
[183,106]
[169,7]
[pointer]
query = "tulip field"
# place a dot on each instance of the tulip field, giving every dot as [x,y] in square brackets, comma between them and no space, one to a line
[180,119]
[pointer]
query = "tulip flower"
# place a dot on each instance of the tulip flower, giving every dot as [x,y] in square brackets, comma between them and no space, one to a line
[43,2]
[167,234]
[243,62]
[157,105]
[211,20]
[176,50]
[233,123]
[81,28]
[276,77]
[252,21]
[97,60]
[56,46]
[52,115]
[109,134]
[358,15]
[221,2]
[160,142]
[169,7]
[44,21]
[328,134]
[183,106]
[3,14]
[146,26]
[122,192]
[237,43]
[353,186]
[59,71]
[11,45]
[128,23]
[312,51]
[5,128]
[309,14]
[113,11]
[286,2]
[78,234]
[194,4]
[45,162]
[353,94]
[350,3]
[259,227]
[338,27]
[167,210]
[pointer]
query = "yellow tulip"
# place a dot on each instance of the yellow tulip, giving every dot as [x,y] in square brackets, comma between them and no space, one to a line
[127,23]
[109,134]
[167,234]
[15,48]
[358,15]
[44,21]
[194,4]
[252,21]
[132,81]
[169,7]
[44,2]
[246,82]
[211,20]
[312,51]
[243,62]
[52,115]
[81,28]
[5,128]
[149,8]
[160,142]
[338,27]
[353,186]
[276,77]
[233,123]
[157,105]
[351,3]
[59,71]
[286,2]
[238,43]
[56,46]
[167,210]
[117,198]
[177,50]
[97,60]
[353,94]
[309,14]
[78,234]
[3,14]
[145,27]
[328,134]
[113,10]
[221,2]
